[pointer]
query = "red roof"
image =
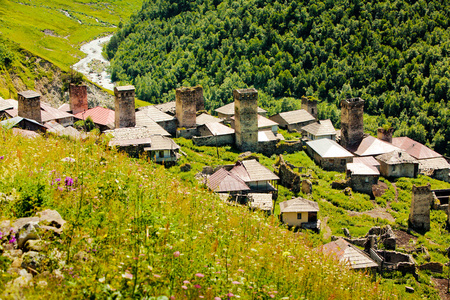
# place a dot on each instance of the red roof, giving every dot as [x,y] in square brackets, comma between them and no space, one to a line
[224,181]
[100,115]
[413,148]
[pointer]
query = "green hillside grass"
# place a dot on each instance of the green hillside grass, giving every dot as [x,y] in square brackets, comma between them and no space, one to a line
[25,22]
[132,218]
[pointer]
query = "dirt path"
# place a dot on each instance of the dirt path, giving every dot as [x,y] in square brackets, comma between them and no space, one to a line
[442,287]
[396,192]
[377,212]
[326,229]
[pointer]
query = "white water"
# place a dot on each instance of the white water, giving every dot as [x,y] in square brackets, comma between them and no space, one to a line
[93,50]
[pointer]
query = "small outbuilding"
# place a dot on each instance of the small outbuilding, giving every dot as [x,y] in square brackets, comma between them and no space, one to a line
[260,201]
[349,254]
[329,154]
[293,120]
[224,182]
[301,213]
[362,177]
[398,163]
[323,129]
[255,175]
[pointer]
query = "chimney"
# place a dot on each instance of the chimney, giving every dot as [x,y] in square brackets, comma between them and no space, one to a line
[78,98]
[124,106]
[30,105]
[385,134]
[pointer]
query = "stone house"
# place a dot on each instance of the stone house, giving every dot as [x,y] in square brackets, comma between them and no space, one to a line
[362,177]
[300,213]
[371,146]
[293,120]
[264,124]
[150,114]
[227,111]
[163,149]
[214,134]
[222,181]
[260,201]
[257,177]
[398,163]
[206,118]
[23,123]
[323,129]
[329,155]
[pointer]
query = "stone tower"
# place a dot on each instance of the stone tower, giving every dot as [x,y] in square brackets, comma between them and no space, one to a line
[352,122]
[310,105]
[124,106]
[385,134]
[200,103]
[78,98]
[186,105]
[421,201]
[246,119]
[30,105]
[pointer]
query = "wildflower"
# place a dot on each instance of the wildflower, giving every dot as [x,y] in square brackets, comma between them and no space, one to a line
[186,282]
[156,276]
[101,279]
[127,275]
[184,287]
[12,240]
[200,275]
[230,295]
[201,297]
[69,181]
[236,282]
[217,298]
[2,157]
[197,286]
[176,253]
[240,270]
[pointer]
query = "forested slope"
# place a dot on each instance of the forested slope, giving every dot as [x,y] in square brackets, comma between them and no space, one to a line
[393,54]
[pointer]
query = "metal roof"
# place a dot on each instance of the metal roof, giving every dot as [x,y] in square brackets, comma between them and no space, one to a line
[349,254]
[159,142]
[168,107]
[260,201]
[219,129]
[205,118]
[100,115]
[299,205]
[323,127]
[9,123]
[413,148]
[49,113]
[252,170]
[437,163]
[4,105]
[296,116]
[397,157]
[153,113]
[371,146]
[268,135]
[65,107]
[327,148]
[362,169]
[263,122]
[367,160]
[224,181]
[228,109]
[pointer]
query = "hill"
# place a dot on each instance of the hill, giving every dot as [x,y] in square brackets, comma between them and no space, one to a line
[393,54]
[136,230]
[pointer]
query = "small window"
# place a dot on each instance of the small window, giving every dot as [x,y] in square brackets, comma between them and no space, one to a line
[312,111]
[299,216]
[343,162]
[393,168]
[367,179]
[161,153]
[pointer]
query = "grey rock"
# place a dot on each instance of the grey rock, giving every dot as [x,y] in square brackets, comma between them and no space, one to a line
[36,245]
[346,232]
[409,289]
[27,232]
[51,217]
[33,261]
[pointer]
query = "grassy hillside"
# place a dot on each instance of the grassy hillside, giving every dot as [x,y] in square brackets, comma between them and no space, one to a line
[145,232]
[393,54]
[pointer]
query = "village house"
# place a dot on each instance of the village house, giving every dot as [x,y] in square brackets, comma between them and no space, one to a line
[300,213]
[398,163]
[368,161]
[167,107]
[362,177]
[323,129]
[6,106]
[257,177]
[214,134]
[293,120]
[227,111]
[23,123]
[59,130]
[371,146]
[206,118]
[329,154]
[224,182]
[163,149]
[264,124]
[103,118]
[349,254]
[148,115]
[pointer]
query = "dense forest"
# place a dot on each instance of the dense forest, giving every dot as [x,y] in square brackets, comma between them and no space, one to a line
[393,54]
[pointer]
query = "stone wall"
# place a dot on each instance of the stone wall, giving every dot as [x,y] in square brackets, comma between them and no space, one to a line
[169,126]
[78,98]
[211,140]
[333,164]
[288,178]
[385,135]
[421,201]
[246,119]
[29,105]
[442,174]
[310,106]
[186,106]
[279,147]
[187,133]
[125,113]
[399,170]
[363,183]
[352,122]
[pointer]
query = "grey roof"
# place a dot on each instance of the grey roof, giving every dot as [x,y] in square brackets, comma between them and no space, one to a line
[159,142]
[153,113]
[370,146]
[397,157]
[130,133]
[349,254]
[268,135]
[29,94]
[362,169]
[327,148]
[228,109]
[205,118]
[323,127]
[252,170]
[367,160]
[125,88]
[299,205]
[219,129]
[437,163]
[167,107]
[296,116]
[260,201]
[9,123]
[4,105]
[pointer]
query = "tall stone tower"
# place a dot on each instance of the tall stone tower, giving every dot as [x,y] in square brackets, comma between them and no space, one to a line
[186,106]
[246,119]
[124,106]
[30,105]
[310,105]
[200,102]
[352,122]
[385,134]
[421,201]
[78,98]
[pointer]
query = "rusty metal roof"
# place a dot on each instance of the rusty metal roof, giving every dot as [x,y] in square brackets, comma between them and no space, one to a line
[223,181]
[299,205]
[65,107]
[415,149]
[49,113]
[367,160]
[348,254]
[371,146]
[100,115]
[252,170]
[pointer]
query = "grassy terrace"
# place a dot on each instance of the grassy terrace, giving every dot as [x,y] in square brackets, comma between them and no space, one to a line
[148,231]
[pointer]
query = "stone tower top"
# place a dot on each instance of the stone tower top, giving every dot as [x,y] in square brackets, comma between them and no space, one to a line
[29,105]
[310,105]
[187,101]
[385,134]
[124,106]
[246,119]
[352,122]
[245,94]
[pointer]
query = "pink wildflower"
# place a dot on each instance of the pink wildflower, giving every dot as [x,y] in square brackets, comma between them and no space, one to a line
[176,253]
[236,282]
[184,287]
[217,298]
[200,275]
[186,282]
[127,275]
[197,286]
[230,295]
[156,275]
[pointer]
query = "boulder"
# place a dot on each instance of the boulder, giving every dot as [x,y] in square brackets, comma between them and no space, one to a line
[51,218]
[374,230]
[409,289]
[346,232]
[306,186]
[185,167]
[33,261]
[36,245]
[19,223]
[24,279]
[27,232]
[208,170]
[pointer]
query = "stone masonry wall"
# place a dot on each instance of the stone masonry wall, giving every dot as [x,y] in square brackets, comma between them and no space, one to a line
[246,119]
[125,112]
[29,105]
[211,140]
[186,106]
[385,135]
[310,106]
[78,98]
[352,122]
[422,199]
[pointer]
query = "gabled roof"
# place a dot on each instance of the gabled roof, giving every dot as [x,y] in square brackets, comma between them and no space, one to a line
[100,115]
[49,113]
[60,130]
[263,122]
[131,133]
[327,148]
[268,135]
[299,205]
[65,107]
[373,146]
[252,170]
[228,109]
[296,116]
[223,181]
[437,163]
[323,127]
[205,118]
[362,169]
[397,157]
[5,104]
[168,107]
[219,129]
[349,254]
[260,201]
[153,113]
[413,148]
[10,123]
[159,142]
[367,160]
